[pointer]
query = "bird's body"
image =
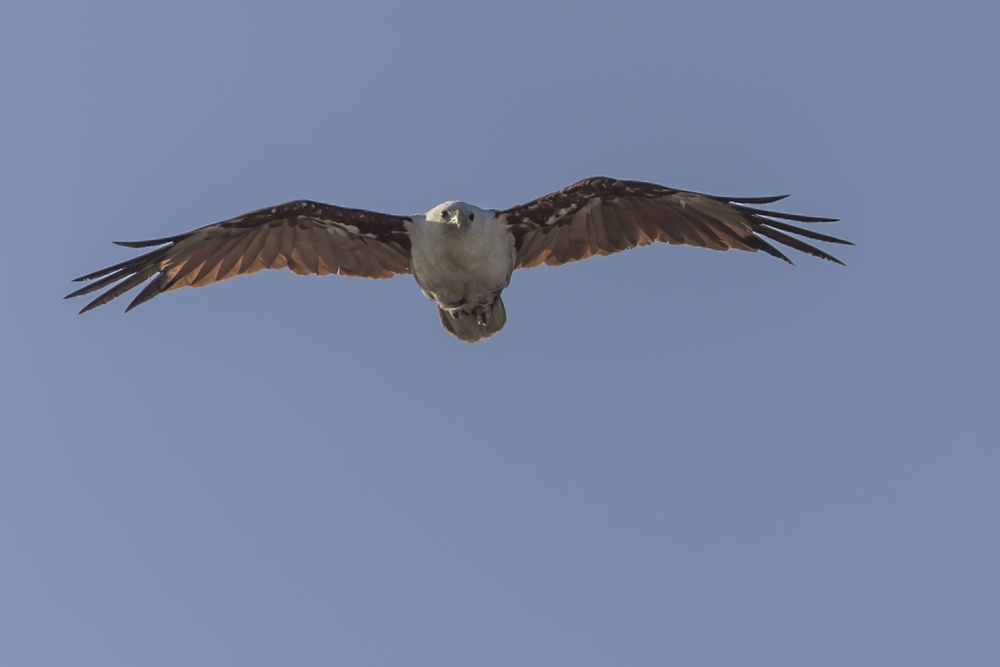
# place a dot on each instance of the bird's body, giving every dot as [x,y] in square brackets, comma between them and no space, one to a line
[461,256]
[461,263]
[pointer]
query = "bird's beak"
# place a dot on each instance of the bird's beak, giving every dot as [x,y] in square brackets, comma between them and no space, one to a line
[455,218]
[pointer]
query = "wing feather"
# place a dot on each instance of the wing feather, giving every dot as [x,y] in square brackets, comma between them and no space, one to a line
[230,265]
[725,235]
[364,261]
[304,236]
[304,252]
[115,276]
[702,226]
[271,249]
[595,225]
[251,261]
[326,255]
[287,250]
[136,279]
[578,236]
[389,259]
[645,220]
[671,233]
[536,249]
[152,288]
[808,233]
[559,240]
[383,258]
[208,273]
[194,259]
[347,264]
[793,242]
[613,228]
[630,230]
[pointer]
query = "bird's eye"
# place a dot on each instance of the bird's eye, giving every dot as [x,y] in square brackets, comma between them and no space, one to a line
[472,216]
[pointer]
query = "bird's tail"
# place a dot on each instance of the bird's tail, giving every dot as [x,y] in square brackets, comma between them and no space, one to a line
[468,328]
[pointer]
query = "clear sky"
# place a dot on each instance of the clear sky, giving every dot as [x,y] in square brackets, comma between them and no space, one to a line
[668,456]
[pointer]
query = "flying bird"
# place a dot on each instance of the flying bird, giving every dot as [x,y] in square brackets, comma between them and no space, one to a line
[461,256]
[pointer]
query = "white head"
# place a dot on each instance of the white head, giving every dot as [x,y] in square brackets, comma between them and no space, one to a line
[458,213]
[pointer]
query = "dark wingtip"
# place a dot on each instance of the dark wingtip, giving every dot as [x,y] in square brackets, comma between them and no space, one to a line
[139,300]
[830,258]
[808,233]
[152,242]
[783,216]
[754,200]
[80,292]
[795,243]
[72,295]
[758,243]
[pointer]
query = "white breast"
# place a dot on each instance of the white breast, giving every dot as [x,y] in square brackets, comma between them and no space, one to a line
[455,266]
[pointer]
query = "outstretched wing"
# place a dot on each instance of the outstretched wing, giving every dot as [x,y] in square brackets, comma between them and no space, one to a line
[305,236]
[601,216]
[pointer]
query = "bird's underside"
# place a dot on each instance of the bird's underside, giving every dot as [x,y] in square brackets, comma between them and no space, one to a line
[461,256]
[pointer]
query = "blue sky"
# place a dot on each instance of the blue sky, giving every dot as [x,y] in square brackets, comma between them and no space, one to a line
[668,456]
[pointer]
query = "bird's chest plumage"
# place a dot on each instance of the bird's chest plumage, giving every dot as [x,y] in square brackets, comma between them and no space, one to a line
[454,265]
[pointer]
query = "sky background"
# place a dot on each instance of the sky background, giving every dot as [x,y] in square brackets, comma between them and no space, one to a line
[668,456]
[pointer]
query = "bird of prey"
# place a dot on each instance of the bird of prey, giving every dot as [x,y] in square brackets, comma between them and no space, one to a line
[461,256]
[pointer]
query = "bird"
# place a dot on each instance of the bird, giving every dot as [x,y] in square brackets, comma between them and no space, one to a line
[461,256]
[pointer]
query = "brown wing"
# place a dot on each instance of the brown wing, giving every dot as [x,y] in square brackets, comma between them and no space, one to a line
[304,236]
[601,216]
